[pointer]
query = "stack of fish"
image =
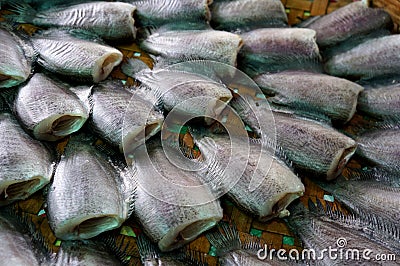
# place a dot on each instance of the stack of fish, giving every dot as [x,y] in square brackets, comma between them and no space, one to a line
[315,77]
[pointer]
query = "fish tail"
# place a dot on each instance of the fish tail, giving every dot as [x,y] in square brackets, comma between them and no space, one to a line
[225,238]
[147,249]
[24,13]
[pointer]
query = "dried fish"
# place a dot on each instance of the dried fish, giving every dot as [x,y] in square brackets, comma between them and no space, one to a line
[346,244]
[349,21]
[276,49]
[369,199]
[381,147]
[112,21]
[312,146]
[25,164]
[159,12]
[279,186]
[311,93]
[181,45]
[123,118]
[373,58]
[16,59]
[381,102]
[48,109]
[87,252]
[244,15]
[68,55]
[15,247]
[171,204]
[86,196]
[187,93]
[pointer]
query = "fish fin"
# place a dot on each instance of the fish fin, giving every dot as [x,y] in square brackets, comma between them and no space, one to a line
[132,66]
[9,95]
[119,250]
[24,13]
[84,34]
[146,248]
[224,238]
[194,257]
[312,206]
[320,207]
[251,243]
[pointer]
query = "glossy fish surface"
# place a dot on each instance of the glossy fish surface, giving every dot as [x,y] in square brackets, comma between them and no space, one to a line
[48,109]
[247,15]
[178,46]
[277,49]
[186,214]
[119,115]
[312,146]
[373,58]
[349,21]
[67,55]
[25,164]
[15,66]
[113,21]
[85,198]
[279,185]
[306,92]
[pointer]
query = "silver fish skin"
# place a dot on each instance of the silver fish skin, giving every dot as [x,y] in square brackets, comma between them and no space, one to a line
[69,56]
[277,49]
[279,185]
[112,21]
[181,45]
[90,253]
[318,235]
[125,119]
[349,21]
[171,225]
[381,147]
[247,15]
[160,12]
[314,93]
[48,109]
[373,58]
[85,198]
[376,200]
[15,248]
[381,102]
[25,165]
[179,89]
[313,146]
[15,66]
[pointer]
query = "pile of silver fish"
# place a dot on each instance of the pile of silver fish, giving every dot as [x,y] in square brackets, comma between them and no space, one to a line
[119,162]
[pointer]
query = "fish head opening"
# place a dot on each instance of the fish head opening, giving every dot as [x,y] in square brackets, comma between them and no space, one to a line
[339,164]
[96,225]
[66,125]
[105,65]
[279,208]
[4,77]
[20,190]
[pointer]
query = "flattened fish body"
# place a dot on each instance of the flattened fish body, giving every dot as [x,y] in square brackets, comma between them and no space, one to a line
[179,46]
[382,102]
[48,109]
[25,164]
[373,58]
[113,21]
[121,116]
[278,184]
[172,225]
[349,21]
[76,58]
[248,14]
[15,67]
[306,92]
[84,199]
[277,49]
[312,146]
[14,246]
[159,12]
